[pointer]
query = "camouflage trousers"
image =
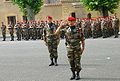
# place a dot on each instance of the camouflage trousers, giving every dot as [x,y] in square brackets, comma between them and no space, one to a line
[52,48]
[116,31]
[74,57]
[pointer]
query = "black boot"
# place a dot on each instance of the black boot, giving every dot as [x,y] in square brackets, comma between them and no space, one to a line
[56,62]
[73,74]
[78,75]
[52,63]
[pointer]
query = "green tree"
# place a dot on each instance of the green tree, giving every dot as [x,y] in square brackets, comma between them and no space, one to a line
[103,6]
[29,7]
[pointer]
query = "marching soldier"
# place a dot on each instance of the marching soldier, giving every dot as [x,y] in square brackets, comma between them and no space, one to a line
[11,31]
[75,46]
[51,41]
[3,28]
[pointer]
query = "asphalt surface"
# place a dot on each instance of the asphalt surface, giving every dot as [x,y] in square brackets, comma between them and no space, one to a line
[29,60]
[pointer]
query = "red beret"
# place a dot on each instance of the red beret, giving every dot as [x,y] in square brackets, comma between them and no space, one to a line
[42,21]
[49,17]
[71,19]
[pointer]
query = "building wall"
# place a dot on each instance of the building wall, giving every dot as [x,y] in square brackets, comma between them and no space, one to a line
[59,10]
[8,9]
[54,10]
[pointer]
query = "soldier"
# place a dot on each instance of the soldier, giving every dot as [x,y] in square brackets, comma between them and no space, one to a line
[104,27]
[84,26]
[94,29]
[31,30]
[3,28]
[34,31]
[26,31]
[75,46]
[98,22]
[38,30]
[79,22]
[51,41]
[11,31]
[41,29]
[18,31]
[116,26]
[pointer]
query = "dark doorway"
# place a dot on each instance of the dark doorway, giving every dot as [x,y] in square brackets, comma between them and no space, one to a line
[11,19]
[73,14]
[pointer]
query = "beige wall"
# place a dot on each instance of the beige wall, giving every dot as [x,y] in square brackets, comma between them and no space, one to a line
[58,11]
[54,10]
[8,9]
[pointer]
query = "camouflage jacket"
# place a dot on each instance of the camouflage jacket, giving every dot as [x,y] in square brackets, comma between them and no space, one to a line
[48,33]
[74,36]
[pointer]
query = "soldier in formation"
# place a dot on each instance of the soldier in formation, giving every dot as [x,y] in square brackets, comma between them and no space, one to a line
[11,31]
[3,28]
[18,29]
[94,27]
[116,26]
[100,27]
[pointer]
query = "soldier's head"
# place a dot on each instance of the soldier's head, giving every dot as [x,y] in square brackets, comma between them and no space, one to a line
[49,18]
[2,23]
[71,21]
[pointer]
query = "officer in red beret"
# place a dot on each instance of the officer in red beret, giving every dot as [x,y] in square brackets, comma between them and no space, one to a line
[74,44]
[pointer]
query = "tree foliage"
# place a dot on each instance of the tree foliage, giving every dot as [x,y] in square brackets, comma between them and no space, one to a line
[35,5]
[96,5]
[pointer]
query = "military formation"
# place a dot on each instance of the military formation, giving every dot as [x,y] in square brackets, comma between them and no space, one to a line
[73,30]
[94,27]
[100,27]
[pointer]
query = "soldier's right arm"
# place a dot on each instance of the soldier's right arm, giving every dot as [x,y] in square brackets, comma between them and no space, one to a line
[59,28]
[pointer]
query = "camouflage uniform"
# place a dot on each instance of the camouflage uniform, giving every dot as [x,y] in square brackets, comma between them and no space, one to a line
[11,31]
[18,31]
[3,28]
[104,28]
[116,26]
[34,32]
[94,29]
[51,41]
[73,37]
[41,30]
[99,31]
[26,31]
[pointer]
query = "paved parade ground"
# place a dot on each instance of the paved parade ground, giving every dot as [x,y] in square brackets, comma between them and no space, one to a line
[29,60]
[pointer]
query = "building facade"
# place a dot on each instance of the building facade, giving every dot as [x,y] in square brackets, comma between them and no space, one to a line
[59,9]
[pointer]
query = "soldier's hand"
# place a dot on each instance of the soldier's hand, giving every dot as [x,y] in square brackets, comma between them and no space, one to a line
[62,24]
